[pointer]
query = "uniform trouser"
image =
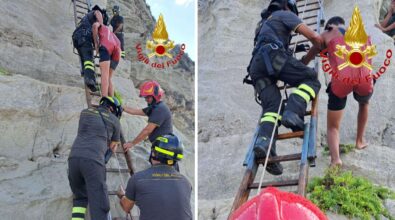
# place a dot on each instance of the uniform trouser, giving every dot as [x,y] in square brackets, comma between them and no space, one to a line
[85,52]
[294,73]
[120,38]
[88,183]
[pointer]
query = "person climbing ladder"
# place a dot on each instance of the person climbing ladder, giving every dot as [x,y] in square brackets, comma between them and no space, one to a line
[270,62]
[98,130]
[82,41]
[338,90]
[108,46]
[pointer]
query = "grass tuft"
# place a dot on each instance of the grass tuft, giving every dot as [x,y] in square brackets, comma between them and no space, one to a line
[355,197]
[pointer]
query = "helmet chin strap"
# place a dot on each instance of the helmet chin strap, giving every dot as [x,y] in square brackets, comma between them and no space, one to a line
[162,161]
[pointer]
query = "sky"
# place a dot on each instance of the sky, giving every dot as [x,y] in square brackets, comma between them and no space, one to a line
[179,17]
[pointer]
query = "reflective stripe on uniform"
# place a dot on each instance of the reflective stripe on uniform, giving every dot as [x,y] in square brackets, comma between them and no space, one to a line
[79,210]
[302,94]
[162,139]
[90,67]
[78,213]
[88,63]
[275,115]
[268,119]
[308,89]
[163,151]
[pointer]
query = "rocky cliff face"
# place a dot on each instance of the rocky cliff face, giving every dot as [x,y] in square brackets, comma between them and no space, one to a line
[43,94]
[228,113]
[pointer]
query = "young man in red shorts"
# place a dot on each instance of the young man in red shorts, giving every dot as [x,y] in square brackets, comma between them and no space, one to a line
[338,90]
[109,48]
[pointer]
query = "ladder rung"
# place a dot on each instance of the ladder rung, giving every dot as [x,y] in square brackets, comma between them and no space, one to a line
[97,65]
[82,2]
[94,105]
[289,157]
[277,184]
[308,4]
[81,12]
[97,93]
[112,193]
[290,135]
[312,23]
[312,9]
[113,170]
[81,6]
[288,87]
[309,17]
[299,41]
[307,113]
[79,17]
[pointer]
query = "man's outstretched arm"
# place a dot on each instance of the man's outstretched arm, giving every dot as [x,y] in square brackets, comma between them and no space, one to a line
[133,111]
[142,136]
[312,36]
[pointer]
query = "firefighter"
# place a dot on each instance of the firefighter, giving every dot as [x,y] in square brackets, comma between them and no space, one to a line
[83,42]
[98,131]
[160,192]
[159,114]
[117,27]
[272,61]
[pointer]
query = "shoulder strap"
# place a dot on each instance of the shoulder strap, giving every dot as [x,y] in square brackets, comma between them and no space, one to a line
[108,154]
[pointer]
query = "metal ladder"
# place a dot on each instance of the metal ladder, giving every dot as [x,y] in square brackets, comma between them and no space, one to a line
[313,17]
[81,8]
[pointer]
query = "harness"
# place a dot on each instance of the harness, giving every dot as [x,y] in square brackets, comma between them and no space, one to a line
[266,47]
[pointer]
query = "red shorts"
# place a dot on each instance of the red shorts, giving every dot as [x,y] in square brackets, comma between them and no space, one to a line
[110,42]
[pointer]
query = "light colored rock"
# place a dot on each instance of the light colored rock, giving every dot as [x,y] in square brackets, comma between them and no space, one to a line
[228,113]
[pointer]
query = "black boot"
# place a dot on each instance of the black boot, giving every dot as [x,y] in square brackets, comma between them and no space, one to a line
[90,82]
[261,146]
[292,120]
[260,149]
[274,168]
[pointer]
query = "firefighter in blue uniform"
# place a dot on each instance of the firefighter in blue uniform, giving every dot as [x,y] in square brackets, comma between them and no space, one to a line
[272,60]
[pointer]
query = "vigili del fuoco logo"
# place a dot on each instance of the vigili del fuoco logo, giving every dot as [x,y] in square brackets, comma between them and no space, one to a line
[157,52]
[356,53]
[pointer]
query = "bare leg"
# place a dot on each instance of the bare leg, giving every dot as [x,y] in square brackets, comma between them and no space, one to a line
[362,120]
[333,125]
[104,69]
[110,87]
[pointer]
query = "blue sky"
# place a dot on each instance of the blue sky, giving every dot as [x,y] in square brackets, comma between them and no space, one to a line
[179,16]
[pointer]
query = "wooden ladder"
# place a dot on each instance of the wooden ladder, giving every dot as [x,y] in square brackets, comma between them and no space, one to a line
[313,17]
[81,8]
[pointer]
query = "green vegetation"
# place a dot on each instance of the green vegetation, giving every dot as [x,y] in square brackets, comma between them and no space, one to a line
[341,192]
[344,149]
[4,72]
[118,96]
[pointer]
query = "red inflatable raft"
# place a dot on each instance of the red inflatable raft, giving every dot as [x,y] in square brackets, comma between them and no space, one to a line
[272,204]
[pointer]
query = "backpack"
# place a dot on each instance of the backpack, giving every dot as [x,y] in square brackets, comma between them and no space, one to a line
[83,33]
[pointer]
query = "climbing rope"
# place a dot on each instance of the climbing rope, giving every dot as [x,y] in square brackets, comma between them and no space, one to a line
[276,120]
